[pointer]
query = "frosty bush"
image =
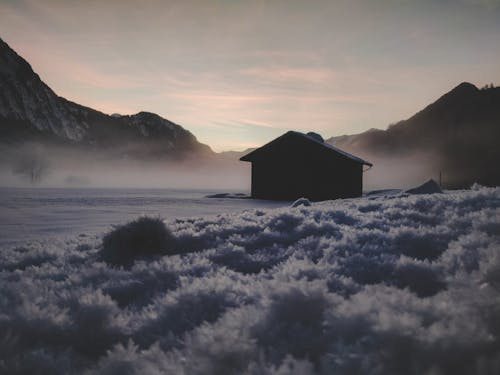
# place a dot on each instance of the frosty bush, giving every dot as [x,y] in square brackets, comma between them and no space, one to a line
[142,237]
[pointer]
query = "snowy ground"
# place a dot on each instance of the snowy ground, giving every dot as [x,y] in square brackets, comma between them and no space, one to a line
[35,213]
[378,285]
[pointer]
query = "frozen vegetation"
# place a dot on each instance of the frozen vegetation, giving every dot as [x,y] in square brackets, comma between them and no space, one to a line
[397,284]
[141,238]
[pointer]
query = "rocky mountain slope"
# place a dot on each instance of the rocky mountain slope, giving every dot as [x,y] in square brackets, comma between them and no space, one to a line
[459,132]
[30,111]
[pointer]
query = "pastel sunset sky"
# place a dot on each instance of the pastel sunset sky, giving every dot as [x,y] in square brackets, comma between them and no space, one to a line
[239,73]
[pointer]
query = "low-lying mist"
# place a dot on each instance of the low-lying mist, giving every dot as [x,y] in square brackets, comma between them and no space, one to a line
[400,172]
[36,165]
[44,166]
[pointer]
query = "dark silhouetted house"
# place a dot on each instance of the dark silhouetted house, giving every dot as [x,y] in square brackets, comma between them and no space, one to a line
[302,165]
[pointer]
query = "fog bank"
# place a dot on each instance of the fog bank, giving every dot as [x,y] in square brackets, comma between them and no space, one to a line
[37,165]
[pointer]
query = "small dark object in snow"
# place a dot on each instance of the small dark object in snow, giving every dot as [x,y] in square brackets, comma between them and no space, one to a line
[145,236]
[301,202]
[228,195]
[429,187]
[383,192]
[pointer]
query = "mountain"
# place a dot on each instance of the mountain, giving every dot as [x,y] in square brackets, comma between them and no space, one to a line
[459,132]
[234,155]
[30,111]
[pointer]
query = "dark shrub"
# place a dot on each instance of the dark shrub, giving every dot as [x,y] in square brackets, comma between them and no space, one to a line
[142,237]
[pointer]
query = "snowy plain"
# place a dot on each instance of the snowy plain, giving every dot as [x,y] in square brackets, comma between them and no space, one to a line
[398,284]
[42,213]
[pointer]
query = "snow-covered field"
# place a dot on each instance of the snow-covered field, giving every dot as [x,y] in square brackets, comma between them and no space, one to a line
[36,213]
[377,285]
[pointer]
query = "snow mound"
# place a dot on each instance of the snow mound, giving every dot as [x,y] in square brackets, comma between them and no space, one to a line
[429,187]
[145,236]
[395,285]
[301,202]
[317,137]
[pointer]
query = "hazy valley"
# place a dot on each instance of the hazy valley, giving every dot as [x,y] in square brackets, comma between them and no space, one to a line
[50,141]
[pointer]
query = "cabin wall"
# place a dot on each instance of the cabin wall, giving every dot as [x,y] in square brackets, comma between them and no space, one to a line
[279,181]
[310,175]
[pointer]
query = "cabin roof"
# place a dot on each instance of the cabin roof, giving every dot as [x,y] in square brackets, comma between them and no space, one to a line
[310,137]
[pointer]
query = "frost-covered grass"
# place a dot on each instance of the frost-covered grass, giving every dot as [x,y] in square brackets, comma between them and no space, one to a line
[143,237]
[396,285]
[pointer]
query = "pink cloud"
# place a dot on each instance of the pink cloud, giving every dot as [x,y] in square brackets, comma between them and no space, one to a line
[288,74]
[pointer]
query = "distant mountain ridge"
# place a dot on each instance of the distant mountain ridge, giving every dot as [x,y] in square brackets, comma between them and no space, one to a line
[31,111]
[460,130]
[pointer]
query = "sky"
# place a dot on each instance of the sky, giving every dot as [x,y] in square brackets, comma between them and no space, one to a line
[239,73]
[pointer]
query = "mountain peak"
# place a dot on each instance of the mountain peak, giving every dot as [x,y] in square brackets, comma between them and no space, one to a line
[11,64]
[465,87]
[454,100]
[149,115]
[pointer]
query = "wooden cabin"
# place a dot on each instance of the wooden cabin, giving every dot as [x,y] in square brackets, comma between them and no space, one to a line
[298,165]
